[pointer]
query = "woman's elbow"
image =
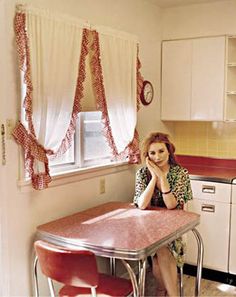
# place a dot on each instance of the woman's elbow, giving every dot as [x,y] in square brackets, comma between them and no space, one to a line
[172,205]
[142,206]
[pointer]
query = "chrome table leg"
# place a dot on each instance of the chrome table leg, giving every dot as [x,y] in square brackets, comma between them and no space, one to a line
[142,276]
[113,266]
[199,261]
[181,282]
[132,278]
[35,274]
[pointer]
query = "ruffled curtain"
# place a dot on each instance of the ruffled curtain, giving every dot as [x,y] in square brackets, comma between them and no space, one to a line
[118,62]
[117,83]
[52,52]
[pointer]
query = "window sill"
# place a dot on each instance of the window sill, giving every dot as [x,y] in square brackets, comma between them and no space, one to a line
[75,175]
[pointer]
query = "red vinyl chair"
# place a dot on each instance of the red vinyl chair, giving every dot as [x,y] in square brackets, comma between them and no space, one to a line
[77,271]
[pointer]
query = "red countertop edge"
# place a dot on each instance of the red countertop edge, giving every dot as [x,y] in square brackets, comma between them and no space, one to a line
[206,168]
[206,161]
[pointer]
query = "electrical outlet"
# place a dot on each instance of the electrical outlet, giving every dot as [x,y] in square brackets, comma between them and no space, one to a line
[102,186]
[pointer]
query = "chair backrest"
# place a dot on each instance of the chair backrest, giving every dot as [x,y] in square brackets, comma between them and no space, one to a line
[71,267]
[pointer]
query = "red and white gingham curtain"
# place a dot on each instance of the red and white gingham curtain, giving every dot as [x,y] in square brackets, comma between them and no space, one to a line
[52,52]
[117,96]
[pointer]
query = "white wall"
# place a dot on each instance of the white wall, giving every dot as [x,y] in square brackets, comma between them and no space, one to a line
[197,20]
[4,273]
[24,211]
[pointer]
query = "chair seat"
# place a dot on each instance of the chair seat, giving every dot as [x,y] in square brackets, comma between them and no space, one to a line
[108,286]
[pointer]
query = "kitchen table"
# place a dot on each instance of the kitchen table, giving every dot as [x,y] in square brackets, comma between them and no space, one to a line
[120,230]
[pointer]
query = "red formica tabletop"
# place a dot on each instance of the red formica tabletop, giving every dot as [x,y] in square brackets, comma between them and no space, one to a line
[118,229]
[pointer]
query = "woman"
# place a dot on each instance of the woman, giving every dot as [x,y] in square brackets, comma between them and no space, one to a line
[164,183]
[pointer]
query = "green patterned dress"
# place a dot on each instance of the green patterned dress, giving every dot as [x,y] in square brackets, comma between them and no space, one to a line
[179,182]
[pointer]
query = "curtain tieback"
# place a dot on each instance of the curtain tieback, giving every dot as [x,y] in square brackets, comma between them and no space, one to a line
[34,152]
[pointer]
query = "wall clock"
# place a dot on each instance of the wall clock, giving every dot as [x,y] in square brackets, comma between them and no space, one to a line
[147,93]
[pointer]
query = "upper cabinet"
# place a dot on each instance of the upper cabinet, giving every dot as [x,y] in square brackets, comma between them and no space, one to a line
[176,80]
[230,97]
[193,79]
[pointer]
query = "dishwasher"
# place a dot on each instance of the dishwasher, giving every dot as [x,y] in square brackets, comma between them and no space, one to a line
[212,200]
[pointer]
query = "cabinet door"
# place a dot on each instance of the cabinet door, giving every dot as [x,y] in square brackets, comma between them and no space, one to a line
[211,191]
[232,251]
[214,230]
[230,89]
[176,80]
[208,75]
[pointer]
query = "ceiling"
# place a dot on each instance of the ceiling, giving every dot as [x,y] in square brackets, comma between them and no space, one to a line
[172,3]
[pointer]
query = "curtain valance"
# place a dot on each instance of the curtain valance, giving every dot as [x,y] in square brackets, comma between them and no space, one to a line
[52,52]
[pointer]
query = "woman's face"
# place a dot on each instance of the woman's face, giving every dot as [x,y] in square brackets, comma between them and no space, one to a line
[158,153]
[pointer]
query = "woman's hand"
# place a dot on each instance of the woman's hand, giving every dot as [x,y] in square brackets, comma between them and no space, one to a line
[155,171]
[159,179]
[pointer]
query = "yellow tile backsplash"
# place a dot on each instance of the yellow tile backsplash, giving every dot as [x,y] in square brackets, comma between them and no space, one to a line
[208,139]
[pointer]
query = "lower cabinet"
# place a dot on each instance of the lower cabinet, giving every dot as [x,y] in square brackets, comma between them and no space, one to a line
[232,250]
[212,202]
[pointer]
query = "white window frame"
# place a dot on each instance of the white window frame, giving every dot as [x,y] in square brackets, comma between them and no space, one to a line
[73,172]
[79,155]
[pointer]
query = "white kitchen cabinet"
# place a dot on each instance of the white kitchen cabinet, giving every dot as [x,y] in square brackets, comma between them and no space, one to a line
[193,78]
[176,80]
[212,202]
[230,96]
[232,250]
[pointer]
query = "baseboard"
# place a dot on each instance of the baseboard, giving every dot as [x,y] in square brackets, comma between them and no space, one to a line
[213,275]
[210,274]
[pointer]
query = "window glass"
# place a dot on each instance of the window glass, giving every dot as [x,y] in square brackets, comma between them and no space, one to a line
[89,146]
[95,148]
[67,158]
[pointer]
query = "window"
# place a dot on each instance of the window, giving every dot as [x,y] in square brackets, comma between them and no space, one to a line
[89,147]
[55,91]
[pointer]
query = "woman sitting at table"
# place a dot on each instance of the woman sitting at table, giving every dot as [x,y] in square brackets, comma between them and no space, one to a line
[164,183]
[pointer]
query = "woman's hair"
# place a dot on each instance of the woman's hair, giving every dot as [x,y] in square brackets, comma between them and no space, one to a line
[159,137]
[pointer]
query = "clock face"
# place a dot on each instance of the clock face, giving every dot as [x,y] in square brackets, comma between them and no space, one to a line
[147,93]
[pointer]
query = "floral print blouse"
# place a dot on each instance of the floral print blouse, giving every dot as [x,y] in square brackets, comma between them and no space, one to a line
[179,182]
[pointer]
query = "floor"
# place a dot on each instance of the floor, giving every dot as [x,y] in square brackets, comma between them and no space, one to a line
[208,288]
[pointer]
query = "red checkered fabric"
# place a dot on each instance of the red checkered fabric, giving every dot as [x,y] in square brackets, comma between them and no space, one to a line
[34,151]
[131,152]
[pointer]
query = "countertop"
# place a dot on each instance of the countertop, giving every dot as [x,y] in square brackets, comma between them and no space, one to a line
[209,169]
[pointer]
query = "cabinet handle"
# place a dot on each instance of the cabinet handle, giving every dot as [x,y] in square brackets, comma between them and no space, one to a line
[208,207]
[208,189]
